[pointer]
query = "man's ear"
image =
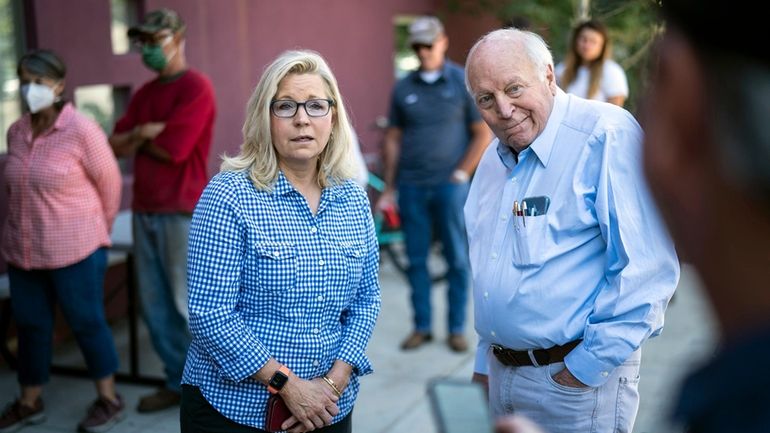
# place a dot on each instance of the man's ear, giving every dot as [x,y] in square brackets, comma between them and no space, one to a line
[443,40]
[550,79]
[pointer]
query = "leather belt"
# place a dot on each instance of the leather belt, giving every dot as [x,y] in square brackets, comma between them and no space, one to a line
[532,357]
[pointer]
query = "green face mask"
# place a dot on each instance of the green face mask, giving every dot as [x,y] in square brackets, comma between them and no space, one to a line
[153,57]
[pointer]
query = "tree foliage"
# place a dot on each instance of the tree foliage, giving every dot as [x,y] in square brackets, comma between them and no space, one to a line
[633,26]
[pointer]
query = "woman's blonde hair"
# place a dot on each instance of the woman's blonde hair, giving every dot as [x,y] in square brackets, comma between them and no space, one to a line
[258,155]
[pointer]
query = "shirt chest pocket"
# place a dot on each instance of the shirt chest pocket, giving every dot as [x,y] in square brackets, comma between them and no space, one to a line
[354,263]
[276,266]
[530,240]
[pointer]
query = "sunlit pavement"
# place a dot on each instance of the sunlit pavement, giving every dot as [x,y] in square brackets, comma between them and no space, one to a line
[394,398]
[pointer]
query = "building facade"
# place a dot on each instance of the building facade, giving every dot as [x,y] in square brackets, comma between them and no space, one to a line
[230,41]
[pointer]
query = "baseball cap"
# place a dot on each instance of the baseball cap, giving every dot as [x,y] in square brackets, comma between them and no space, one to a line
[425,30]
[158,20]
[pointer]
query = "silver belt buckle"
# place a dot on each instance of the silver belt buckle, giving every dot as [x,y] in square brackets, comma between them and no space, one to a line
[532,358]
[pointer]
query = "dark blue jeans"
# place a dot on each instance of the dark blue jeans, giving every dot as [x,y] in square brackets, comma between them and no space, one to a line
[79,291]
[424,209]
[160,259]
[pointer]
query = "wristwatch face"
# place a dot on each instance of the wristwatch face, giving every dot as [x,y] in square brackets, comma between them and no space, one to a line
[278,380]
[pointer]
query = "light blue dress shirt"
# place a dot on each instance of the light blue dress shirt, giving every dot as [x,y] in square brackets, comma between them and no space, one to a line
[599,265]
[267,278]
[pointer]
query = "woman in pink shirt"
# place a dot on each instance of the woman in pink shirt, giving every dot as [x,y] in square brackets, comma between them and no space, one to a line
[63,194]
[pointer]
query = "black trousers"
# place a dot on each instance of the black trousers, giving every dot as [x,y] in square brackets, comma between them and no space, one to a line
[196,415]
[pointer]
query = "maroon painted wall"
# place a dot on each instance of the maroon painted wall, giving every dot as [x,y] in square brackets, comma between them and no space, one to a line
[232,40]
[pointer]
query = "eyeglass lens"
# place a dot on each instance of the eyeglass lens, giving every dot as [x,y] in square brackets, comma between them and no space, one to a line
[313,107]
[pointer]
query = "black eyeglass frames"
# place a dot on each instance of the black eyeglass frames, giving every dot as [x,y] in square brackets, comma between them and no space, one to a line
[286,108]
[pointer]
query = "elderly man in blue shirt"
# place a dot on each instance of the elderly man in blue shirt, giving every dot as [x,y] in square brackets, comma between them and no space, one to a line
[572,267]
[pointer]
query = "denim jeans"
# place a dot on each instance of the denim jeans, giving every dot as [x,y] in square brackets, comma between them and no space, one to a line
[160,263]
[78,289]
[532,392]
[424,209]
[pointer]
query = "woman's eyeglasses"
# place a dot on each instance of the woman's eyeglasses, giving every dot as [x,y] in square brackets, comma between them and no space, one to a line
[286,108]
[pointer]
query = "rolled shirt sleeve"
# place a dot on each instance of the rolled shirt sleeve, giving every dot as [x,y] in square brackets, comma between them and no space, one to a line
[641,270]
[215,262]
[359,319]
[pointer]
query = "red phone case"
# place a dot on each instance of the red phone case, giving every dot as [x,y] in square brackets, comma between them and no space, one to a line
[277,413]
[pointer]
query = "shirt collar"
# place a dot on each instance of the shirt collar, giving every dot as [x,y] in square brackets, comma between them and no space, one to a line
[65,116]
[543,144]
[62,120]
[416,74]
[282,186]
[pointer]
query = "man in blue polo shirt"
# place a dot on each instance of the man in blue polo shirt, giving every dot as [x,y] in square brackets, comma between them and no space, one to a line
[431,148]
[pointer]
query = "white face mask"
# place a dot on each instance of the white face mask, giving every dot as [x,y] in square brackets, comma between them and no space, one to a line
[37,96]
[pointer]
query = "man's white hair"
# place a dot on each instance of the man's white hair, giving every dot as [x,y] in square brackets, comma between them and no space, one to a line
[534,46]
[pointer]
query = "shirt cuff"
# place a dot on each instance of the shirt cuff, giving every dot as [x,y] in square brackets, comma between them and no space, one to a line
[586,367]
[482,359]
[361,364]
[246,365]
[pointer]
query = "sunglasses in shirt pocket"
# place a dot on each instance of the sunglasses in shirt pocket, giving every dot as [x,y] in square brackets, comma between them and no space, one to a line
[536,206]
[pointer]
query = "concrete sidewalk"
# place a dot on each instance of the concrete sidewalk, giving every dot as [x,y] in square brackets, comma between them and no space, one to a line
[394,398]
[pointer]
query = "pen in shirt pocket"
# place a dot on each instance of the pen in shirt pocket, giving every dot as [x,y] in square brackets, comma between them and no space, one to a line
[518,212]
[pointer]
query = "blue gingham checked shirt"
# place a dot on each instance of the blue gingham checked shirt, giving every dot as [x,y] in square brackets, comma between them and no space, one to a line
[267,278]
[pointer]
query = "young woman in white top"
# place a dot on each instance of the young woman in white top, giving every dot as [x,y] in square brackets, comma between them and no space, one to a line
[588,71]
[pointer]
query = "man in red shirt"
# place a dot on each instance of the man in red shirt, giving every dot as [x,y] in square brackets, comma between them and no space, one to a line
[167,128]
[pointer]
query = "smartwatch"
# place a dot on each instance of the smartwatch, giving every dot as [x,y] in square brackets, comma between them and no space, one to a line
[279,379]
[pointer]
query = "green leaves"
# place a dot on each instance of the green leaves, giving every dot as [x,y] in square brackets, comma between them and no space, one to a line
[633,26]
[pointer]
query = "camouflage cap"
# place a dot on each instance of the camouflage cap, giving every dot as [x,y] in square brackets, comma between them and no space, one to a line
[425,30]
[156,21]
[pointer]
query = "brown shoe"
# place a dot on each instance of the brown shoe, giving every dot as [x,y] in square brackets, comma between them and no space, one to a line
[17,415]
[102,415]
[415,340]
[162,399]
[457,343]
